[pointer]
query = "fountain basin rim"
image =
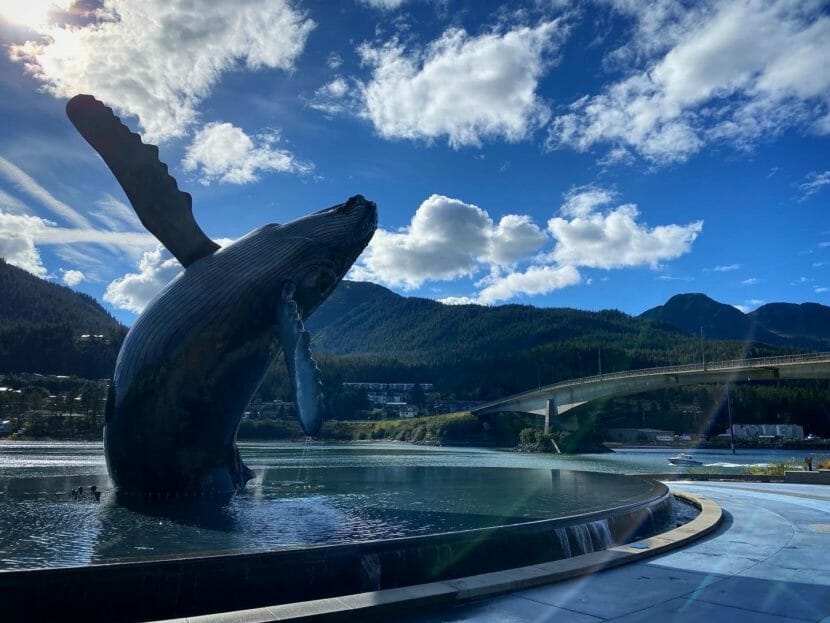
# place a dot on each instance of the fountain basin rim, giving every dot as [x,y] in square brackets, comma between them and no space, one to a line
[454,591]
[660,492]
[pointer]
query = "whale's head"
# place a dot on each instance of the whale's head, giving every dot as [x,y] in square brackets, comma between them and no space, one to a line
[324,245]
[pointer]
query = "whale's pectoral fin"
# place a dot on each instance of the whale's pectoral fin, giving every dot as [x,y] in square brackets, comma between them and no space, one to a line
[162,208]
[302,369]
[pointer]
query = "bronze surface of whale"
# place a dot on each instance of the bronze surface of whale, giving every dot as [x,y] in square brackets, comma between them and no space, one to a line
[197,353]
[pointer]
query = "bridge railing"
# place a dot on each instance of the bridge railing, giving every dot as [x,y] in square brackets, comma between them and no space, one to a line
[755,362]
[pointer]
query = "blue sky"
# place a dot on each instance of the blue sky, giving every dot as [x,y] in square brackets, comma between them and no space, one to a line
[595,155]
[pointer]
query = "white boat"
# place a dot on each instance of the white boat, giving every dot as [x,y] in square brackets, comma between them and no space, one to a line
[684,459]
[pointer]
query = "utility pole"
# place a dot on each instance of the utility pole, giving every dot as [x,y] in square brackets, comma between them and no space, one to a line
[729,412]
[599,357]
[702,352]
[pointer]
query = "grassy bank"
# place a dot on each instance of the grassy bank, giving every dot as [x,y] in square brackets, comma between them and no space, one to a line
[449,429]
[454,429]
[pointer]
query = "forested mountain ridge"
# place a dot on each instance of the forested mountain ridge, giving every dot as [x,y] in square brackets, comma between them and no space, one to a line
[43,324]
[27,299]
[805,321]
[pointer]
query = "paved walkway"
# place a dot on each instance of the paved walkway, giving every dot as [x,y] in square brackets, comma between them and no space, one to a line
[768,563]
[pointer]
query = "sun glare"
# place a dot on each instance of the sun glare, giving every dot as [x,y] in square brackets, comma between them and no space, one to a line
[31,13]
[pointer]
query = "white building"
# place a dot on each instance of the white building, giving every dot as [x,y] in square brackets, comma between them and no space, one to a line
[768,431]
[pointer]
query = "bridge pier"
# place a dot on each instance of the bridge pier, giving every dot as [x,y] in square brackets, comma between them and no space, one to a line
[550,412]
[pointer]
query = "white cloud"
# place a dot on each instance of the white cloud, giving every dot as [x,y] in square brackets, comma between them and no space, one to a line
[385,5]
[583,200]
[156,268]
[725,268]
[134,290]
[157,59]
[749,305]
[821,290]
[24,183]
[750,281]
[334,60]
[222,152]
[12,205]
[533,281]
[72,277]
[813,183]
[335,97]
[114,214]
[514,239]
[735,71]
[465,88]
[17,242]
[447,239]
[614,239]
[458,300]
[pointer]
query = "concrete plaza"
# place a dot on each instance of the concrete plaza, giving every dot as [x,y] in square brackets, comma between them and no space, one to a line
[769,562]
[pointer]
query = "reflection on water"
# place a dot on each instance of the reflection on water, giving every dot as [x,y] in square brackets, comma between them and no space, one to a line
[344,494]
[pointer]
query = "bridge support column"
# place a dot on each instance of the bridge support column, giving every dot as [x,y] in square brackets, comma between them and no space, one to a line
[552,411]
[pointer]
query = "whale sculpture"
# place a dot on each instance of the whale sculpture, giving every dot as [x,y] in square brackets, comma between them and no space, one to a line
[197,353]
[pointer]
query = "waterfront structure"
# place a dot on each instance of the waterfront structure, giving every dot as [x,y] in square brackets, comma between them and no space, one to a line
[552,401]
[768,431]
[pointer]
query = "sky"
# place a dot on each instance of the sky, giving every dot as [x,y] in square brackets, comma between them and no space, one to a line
[589,154]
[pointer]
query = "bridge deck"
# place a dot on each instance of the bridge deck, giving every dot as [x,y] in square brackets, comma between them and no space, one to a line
[735,365]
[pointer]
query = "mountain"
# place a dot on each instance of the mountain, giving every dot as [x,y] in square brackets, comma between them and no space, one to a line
[808,321]
[693,312]
[27,299]
[48,328]
[364,318]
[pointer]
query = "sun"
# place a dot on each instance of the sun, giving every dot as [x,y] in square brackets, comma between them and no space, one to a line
[31,13]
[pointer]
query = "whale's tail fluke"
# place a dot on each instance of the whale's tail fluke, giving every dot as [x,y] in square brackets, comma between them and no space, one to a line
[163,209]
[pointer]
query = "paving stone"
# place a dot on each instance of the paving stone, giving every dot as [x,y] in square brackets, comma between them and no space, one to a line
[501,610]
[794,599]
[692,611]
[617,592]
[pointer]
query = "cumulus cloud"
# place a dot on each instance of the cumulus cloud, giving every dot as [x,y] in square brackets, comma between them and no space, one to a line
[465,88]
[134,290]
[533,281]
[17,241]
[446,239]
[615,239]
[157,59]
[72,277]
[733,71]
[224,153]
[156,268]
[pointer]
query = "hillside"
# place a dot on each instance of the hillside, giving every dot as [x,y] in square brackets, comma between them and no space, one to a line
[42,324]
[692,312]
[808,321]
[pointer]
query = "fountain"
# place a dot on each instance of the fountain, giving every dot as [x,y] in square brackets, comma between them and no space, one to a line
[178,533]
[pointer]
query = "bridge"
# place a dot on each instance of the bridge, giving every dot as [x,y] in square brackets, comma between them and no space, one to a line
[552,401]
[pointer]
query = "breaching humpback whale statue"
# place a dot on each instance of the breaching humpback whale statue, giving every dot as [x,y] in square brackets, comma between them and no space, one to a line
[197,353]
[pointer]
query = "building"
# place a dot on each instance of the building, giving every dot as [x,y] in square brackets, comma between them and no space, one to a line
[640,435]
[384,394]
[768,432]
